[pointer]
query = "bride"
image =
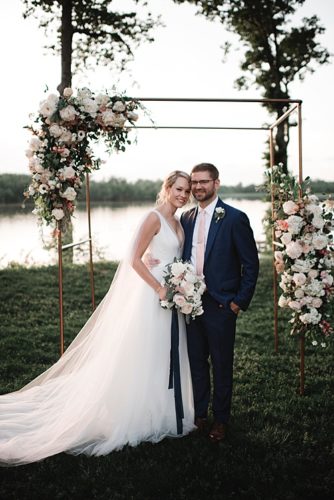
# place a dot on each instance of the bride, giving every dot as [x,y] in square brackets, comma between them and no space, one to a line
[110,388]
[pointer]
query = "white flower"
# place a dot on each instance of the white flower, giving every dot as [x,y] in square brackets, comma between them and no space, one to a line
[119,107]
[102,99]
[43,188]
[35,143]
[187,308]
[55,130]
[315,288]
[318,222]
[282,301]
[70,194]
[302,266]
[49,106]
[58,213]
[295,305]
[68,113]
[314,342]
[290,207]
[294,250]
[69,172]
[323,344]
[31,190]
[179,299]
[295,224]
[66,136]
[133,117]
[83,93]
[67,92]
[90,106]
[326,278]
[177,268]
[299,293]
[119,121]
[108,117]
[299,279]
[316,302]
[219,213]
[286,238]
[319,241]
[81,135]
[313,273]
[313,317]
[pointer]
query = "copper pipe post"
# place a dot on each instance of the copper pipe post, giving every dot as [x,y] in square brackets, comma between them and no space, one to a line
[60,283]
[300,179]
[91,269]
[273,216]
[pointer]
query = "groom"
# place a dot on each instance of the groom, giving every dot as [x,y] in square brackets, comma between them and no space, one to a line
[219,242]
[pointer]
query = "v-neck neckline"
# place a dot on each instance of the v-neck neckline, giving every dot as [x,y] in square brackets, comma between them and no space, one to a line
[171,227]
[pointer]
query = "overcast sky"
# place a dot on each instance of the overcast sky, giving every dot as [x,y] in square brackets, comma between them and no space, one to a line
[184,61]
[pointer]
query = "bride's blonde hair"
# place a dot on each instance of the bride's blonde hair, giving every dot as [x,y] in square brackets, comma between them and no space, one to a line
[168,183]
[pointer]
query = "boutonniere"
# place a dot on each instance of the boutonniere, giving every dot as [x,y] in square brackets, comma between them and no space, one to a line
[219,213]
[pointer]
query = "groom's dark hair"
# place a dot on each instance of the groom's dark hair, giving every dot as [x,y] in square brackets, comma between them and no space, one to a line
[206,167]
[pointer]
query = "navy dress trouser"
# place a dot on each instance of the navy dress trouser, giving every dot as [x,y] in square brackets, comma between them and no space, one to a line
[212,335]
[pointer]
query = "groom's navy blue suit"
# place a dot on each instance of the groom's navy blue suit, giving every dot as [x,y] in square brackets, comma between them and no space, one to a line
[230,268]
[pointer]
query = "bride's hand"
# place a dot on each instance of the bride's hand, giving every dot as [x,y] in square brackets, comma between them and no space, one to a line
[162,293]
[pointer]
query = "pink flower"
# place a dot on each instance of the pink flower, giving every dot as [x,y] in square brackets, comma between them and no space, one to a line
[282,225]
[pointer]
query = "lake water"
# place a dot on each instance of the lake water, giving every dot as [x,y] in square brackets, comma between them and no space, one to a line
[112,226]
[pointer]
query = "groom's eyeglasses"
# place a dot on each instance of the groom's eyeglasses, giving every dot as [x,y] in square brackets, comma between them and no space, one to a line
[203,182]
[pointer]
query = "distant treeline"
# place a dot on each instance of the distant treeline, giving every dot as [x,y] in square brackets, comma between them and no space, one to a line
[118,189]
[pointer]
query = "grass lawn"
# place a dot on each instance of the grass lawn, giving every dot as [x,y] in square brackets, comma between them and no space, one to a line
[279,444]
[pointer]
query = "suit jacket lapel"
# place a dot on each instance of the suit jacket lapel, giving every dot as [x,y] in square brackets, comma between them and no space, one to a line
[213,230]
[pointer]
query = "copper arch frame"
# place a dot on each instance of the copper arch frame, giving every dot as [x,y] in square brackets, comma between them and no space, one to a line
[295,106]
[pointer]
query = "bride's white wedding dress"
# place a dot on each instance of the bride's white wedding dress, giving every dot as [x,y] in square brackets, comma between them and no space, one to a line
[110,388]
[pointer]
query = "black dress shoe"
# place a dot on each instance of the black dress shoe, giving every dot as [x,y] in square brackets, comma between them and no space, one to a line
[217,432]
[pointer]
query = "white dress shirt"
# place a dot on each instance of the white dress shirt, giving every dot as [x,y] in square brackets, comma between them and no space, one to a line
[209,210]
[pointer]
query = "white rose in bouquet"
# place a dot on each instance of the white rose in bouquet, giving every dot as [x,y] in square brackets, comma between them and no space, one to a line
[90,106]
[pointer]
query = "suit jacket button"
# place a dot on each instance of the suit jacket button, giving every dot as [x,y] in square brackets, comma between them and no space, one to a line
[221,306]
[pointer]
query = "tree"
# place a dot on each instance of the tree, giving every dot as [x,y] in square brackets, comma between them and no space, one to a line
[88,31]
[275,54]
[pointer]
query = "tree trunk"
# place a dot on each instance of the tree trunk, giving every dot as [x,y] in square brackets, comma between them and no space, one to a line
[66,81]
[66,45]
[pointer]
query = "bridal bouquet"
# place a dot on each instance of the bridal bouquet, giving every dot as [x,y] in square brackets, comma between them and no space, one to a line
[185,289]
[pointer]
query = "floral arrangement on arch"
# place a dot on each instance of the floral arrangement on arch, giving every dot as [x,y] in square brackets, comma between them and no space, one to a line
[59,152]
[305,257]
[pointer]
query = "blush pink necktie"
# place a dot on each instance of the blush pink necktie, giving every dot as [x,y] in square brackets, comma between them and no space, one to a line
[200,249]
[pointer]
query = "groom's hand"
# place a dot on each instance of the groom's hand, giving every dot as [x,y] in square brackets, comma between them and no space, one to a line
[150,261]
[235,308]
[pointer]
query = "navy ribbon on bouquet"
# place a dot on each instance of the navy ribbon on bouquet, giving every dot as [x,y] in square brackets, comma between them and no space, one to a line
[174,371]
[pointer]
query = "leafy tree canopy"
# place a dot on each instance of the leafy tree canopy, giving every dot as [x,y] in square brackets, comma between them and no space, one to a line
[100,35]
